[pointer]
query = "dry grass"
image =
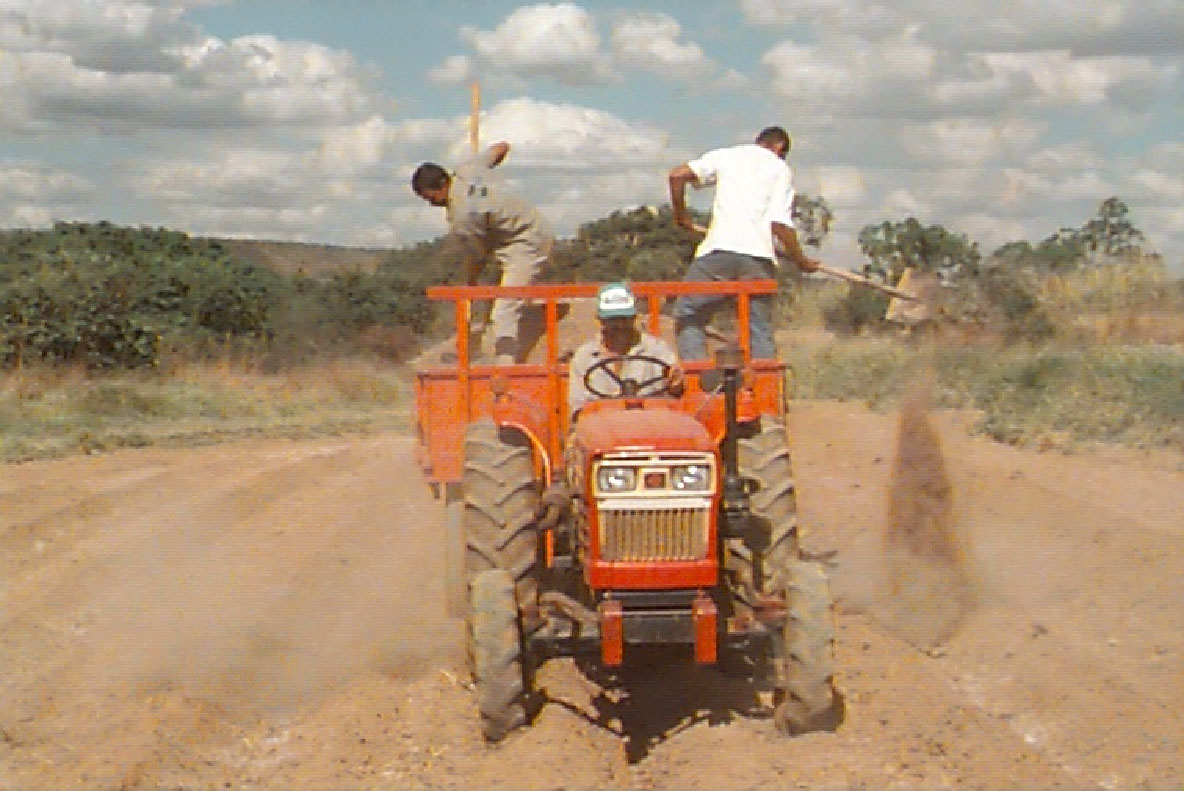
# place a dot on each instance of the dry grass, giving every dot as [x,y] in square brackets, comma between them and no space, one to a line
[55,411]
[1116,304]
[1048,396]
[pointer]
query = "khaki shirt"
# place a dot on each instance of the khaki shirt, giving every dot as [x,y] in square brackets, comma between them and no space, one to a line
[488,221]
[593,352]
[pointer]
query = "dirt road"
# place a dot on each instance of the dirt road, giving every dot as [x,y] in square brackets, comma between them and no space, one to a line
[268,614]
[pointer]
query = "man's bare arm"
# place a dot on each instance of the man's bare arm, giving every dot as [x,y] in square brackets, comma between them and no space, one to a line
[679,178]
[793,250]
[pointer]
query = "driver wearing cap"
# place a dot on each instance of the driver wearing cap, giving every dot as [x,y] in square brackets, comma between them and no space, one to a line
[623,361]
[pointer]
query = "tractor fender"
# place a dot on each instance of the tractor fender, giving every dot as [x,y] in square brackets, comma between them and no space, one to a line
[526,417]
[709,410]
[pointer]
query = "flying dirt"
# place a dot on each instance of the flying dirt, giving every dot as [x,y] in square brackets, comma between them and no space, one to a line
[927,588]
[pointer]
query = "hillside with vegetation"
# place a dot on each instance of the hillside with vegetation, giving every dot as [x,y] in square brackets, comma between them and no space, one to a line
[115,335]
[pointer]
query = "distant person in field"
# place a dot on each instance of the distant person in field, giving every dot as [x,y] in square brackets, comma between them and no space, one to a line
[753,203]
[623,361]
[488,222]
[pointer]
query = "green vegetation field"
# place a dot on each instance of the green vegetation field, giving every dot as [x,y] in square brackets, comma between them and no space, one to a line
[115,336]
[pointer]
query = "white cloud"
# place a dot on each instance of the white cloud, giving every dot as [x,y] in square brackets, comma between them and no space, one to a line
[1059,77]
[1065,157]
[32,216]
[568,203]
[570,137]
[455,69]
[1159,185]
[651,41]
[34,195]
[345,189]
[352,149]
[967,141]
[786,12]
[301,224]
[34,182]
[227,177]
[843,186]
[560,40]
[990,230]
[103,36]
[899,203]
[1086,27]
[845,75]
[125,65]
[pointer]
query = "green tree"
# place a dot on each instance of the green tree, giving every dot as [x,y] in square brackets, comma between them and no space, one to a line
[638,244]
[1063,251]
[812,218]
[894,246]
[1106,237]
[1110,231]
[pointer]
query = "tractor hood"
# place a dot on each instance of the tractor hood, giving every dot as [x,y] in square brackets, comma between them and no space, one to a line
[646,429]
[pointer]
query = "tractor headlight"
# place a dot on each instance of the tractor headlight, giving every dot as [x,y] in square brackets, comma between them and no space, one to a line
[691,477]
[616,479]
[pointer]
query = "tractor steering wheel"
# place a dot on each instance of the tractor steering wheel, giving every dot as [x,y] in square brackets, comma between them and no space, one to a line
[626,387]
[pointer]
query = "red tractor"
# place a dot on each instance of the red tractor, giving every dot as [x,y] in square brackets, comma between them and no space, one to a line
[654,520]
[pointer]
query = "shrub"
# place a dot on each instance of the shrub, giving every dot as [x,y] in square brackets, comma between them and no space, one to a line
[862,308]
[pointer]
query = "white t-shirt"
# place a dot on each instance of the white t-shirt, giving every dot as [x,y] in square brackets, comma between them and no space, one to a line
[753,190]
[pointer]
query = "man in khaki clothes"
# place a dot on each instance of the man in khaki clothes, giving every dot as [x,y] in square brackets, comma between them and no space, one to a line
[491,223]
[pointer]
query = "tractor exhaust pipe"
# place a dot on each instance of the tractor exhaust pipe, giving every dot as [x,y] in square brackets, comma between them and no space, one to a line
[730,360]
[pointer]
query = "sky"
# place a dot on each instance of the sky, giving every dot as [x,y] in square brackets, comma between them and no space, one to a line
[303,121]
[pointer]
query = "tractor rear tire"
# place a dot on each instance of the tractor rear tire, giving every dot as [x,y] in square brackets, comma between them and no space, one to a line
[757,565]
[495,654]
[807,700]
[500,500]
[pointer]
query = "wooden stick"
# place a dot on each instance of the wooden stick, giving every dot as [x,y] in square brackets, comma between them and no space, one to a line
[850,277]
[474,142]
[474,115]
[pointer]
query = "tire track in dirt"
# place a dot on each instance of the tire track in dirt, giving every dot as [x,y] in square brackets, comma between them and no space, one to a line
[234,587]
[271,617]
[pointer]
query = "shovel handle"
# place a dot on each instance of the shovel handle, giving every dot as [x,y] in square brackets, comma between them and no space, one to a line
[849,276]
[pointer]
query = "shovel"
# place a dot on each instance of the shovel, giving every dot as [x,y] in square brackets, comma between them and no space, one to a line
[851,277]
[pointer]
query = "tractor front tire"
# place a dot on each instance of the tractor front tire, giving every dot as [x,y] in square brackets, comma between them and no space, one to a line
[495,653]
[806,699]
[500,500]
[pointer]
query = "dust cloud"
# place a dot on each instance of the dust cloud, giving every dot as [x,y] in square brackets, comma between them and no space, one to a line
[926,588]
[254,599]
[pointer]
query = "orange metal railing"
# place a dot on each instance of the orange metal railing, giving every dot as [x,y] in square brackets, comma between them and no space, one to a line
[445,422]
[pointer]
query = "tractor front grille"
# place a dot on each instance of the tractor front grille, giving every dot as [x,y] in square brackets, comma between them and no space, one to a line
[630,533]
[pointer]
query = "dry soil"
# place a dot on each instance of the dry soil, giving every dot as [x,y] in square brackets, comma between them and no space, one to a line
[270,614]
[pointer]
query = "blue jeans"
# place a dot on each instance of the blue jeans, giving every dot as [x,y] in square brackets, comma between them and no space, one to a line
[691,313]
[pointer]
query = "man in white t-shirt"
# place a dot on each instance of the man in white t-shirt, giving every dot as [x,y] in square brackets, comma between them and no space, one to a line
[753,203]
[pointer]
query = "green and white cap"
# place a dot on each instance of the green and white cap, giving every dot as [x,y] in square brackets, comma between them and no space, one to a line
[614,301]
